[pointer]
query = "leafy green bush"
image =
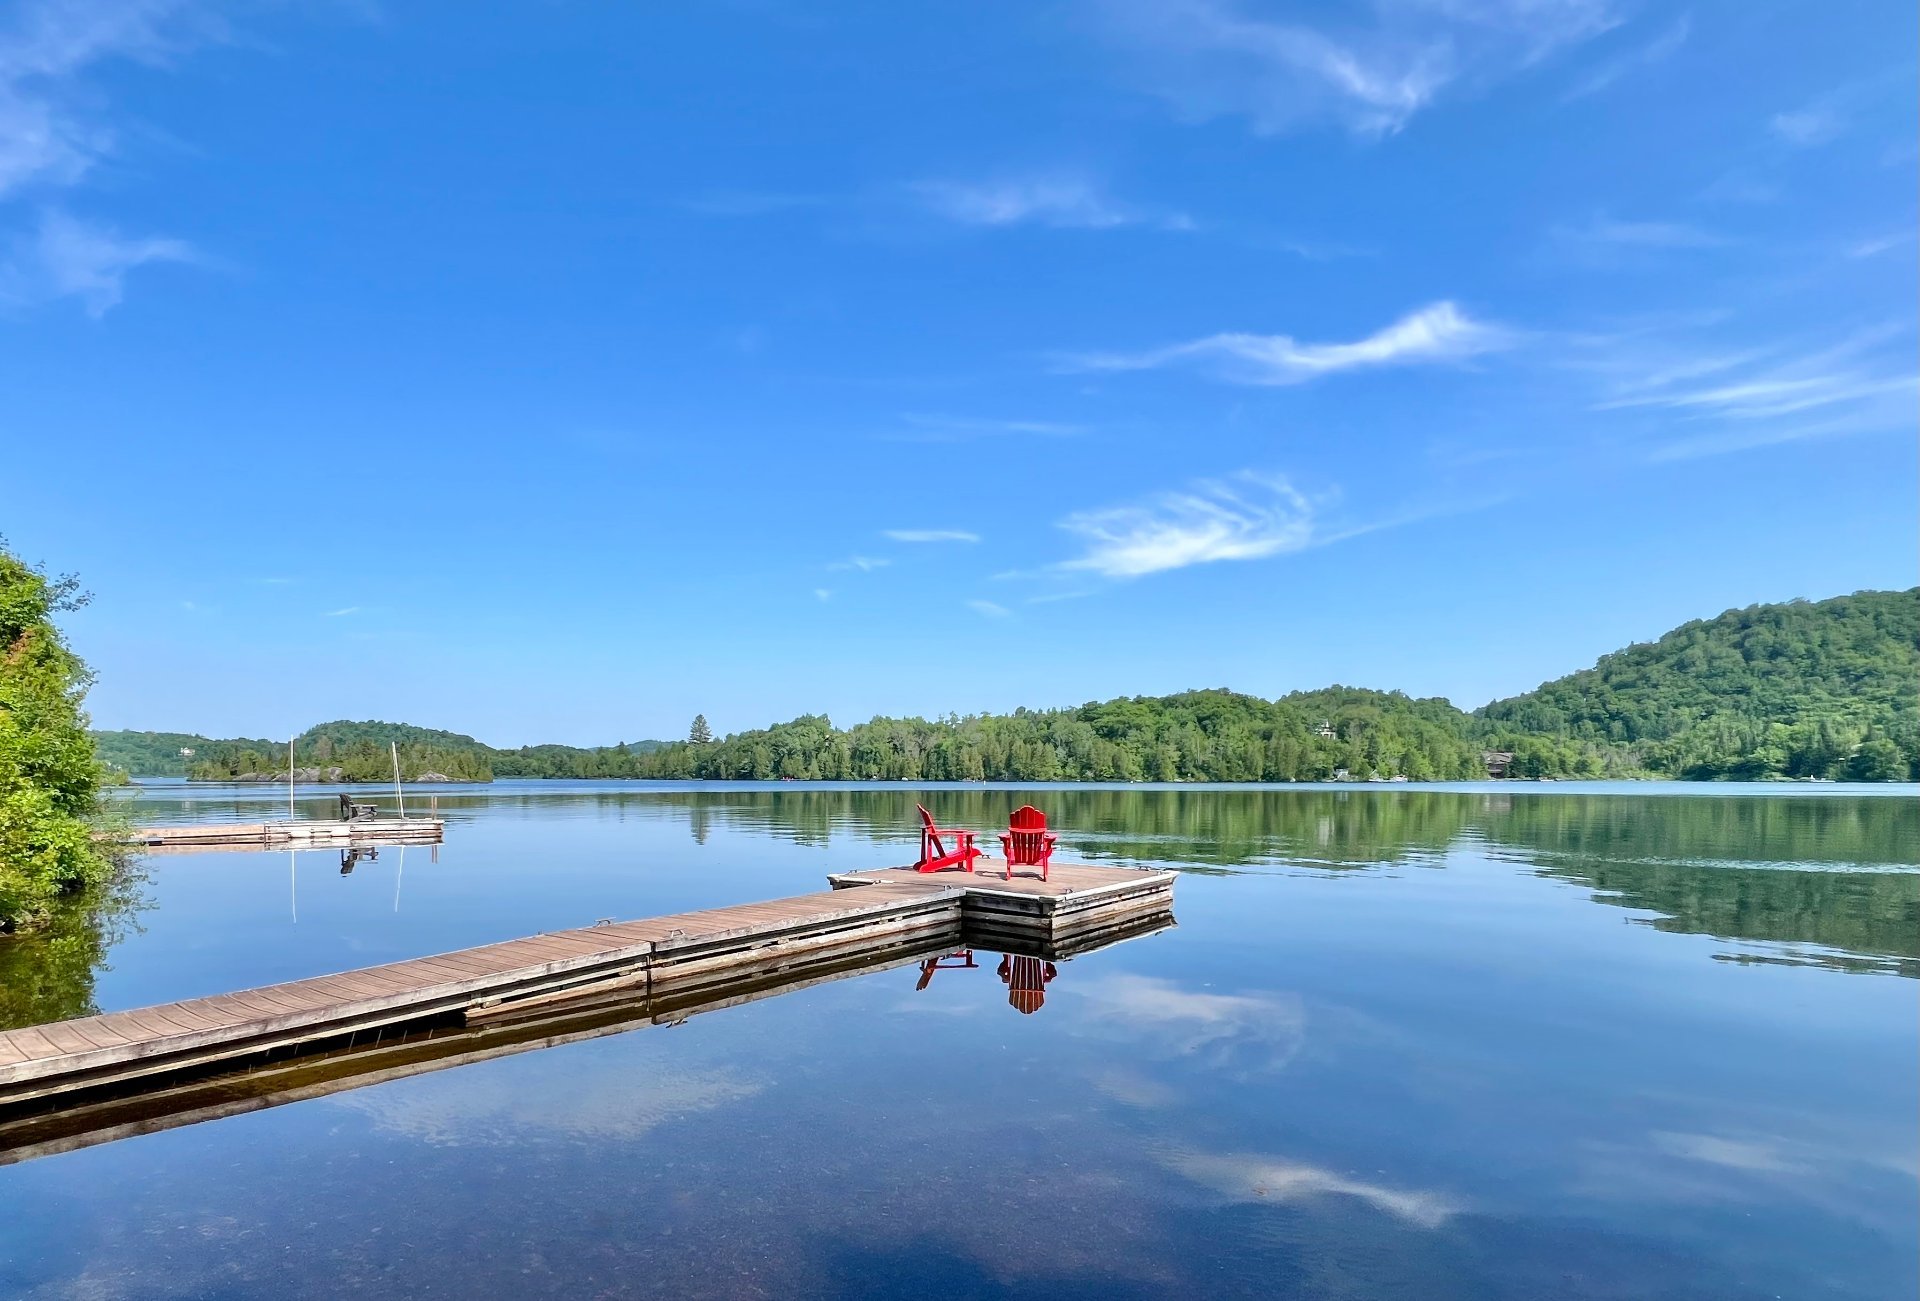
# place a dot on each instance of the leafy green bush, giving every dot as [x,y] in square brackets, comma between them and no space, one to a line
[49,779]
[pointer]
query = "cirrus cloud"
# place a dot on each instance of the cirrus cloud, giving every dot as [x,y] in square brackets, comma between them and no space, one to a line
[1371,73]
[1064,202]
[930,535]
[67,257]
[1438,333]
[1247,517]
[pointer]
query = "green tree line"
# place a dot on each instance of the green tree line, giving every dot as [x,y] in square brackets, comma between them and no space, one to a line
[358,761]
[1827,690]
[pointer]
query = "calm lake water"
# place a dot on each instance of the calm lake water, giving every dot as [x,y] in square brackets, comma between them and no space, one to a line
[1524,1041]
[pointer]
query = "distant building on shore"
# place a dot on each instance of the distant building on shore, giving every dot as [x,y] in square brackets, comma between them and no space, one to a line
[1499,762]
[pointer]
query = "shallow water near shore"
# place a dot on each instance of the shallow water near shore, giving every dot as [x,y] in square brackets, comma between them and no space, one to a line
[1499,1041]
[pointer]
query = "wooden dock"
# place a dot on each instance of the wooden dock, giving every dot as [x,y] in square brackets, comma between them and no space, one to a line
[93,1059]
[324,1068]
[295,834]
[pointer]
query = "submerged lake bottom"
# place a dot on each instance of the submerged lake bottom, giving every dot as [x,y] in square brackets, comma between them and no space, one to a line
[1497,1041]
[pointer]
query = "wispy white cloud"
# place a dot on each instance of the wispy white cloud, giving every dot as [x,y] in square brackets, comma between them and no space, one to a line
[1762,1156]
[1760,384]
[1061,201]
[47,137]
[865,564]
[1251,1178]
[534,1098]
[1605,231]
[1866,248]
[66,257]
[1815,123]
[1718,399]
[343,611]
[991,609]
[1661,47]
[53,132]
[934,428]
[1779,393]
[930,535]
[1437,333]
[1370,73]
[1237,1034]
[1245,518]
[823,593]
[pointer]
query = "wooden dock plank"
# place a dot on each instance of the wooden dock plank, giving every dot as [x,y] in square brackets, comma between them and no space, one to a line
[66,1039]
[95,1033]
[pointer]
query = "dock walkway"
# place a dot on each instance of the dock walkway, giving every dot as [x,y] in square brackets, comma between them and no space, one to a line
[865,912]
[294,834]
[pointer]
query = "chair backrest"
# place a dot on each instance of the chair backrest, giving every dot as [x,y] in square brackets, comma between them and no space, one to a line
[1027,818]
[1026,836]
[931,845]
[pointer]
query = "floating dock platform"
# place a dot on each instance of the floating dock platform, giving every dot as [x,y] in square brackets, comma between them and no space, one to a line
[99,1061]
[1075,900]
[296,835]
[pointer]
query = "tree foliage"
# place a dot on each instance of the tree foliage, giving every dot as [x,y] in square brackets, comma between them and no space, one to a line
[49,779]
[1826,689]
[1201,736]
[346,751]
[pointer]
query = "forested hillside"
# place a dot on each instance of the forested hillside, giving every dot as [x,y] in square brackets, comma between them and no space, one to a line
[360,750]
[158,754]
[1825,689]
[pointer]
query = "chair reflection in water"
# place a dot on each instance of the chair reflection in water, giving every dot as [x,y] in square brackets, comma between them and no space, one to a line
[1026,978]
[1026,981]
[959,958]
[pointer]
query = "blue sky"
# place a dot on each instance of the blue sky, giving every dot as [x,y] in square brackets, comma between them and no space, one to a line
[553,371]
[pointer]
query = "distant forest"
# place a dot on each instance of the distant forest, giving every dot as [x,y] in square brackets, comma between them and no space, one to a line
[1810,690]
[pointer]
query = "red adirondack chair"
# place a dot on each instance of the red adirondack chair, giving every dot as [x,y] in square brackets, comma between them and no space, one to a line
[1026,841]
[934,853]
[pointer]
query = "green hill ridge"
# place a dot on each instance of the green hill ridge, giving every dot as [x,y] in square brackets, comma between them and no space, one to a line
[1795,689]
[1800,689]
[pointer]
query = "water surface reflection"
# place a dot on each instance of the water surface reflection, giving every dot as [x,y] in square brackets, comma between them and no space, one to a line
[1404,1043]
